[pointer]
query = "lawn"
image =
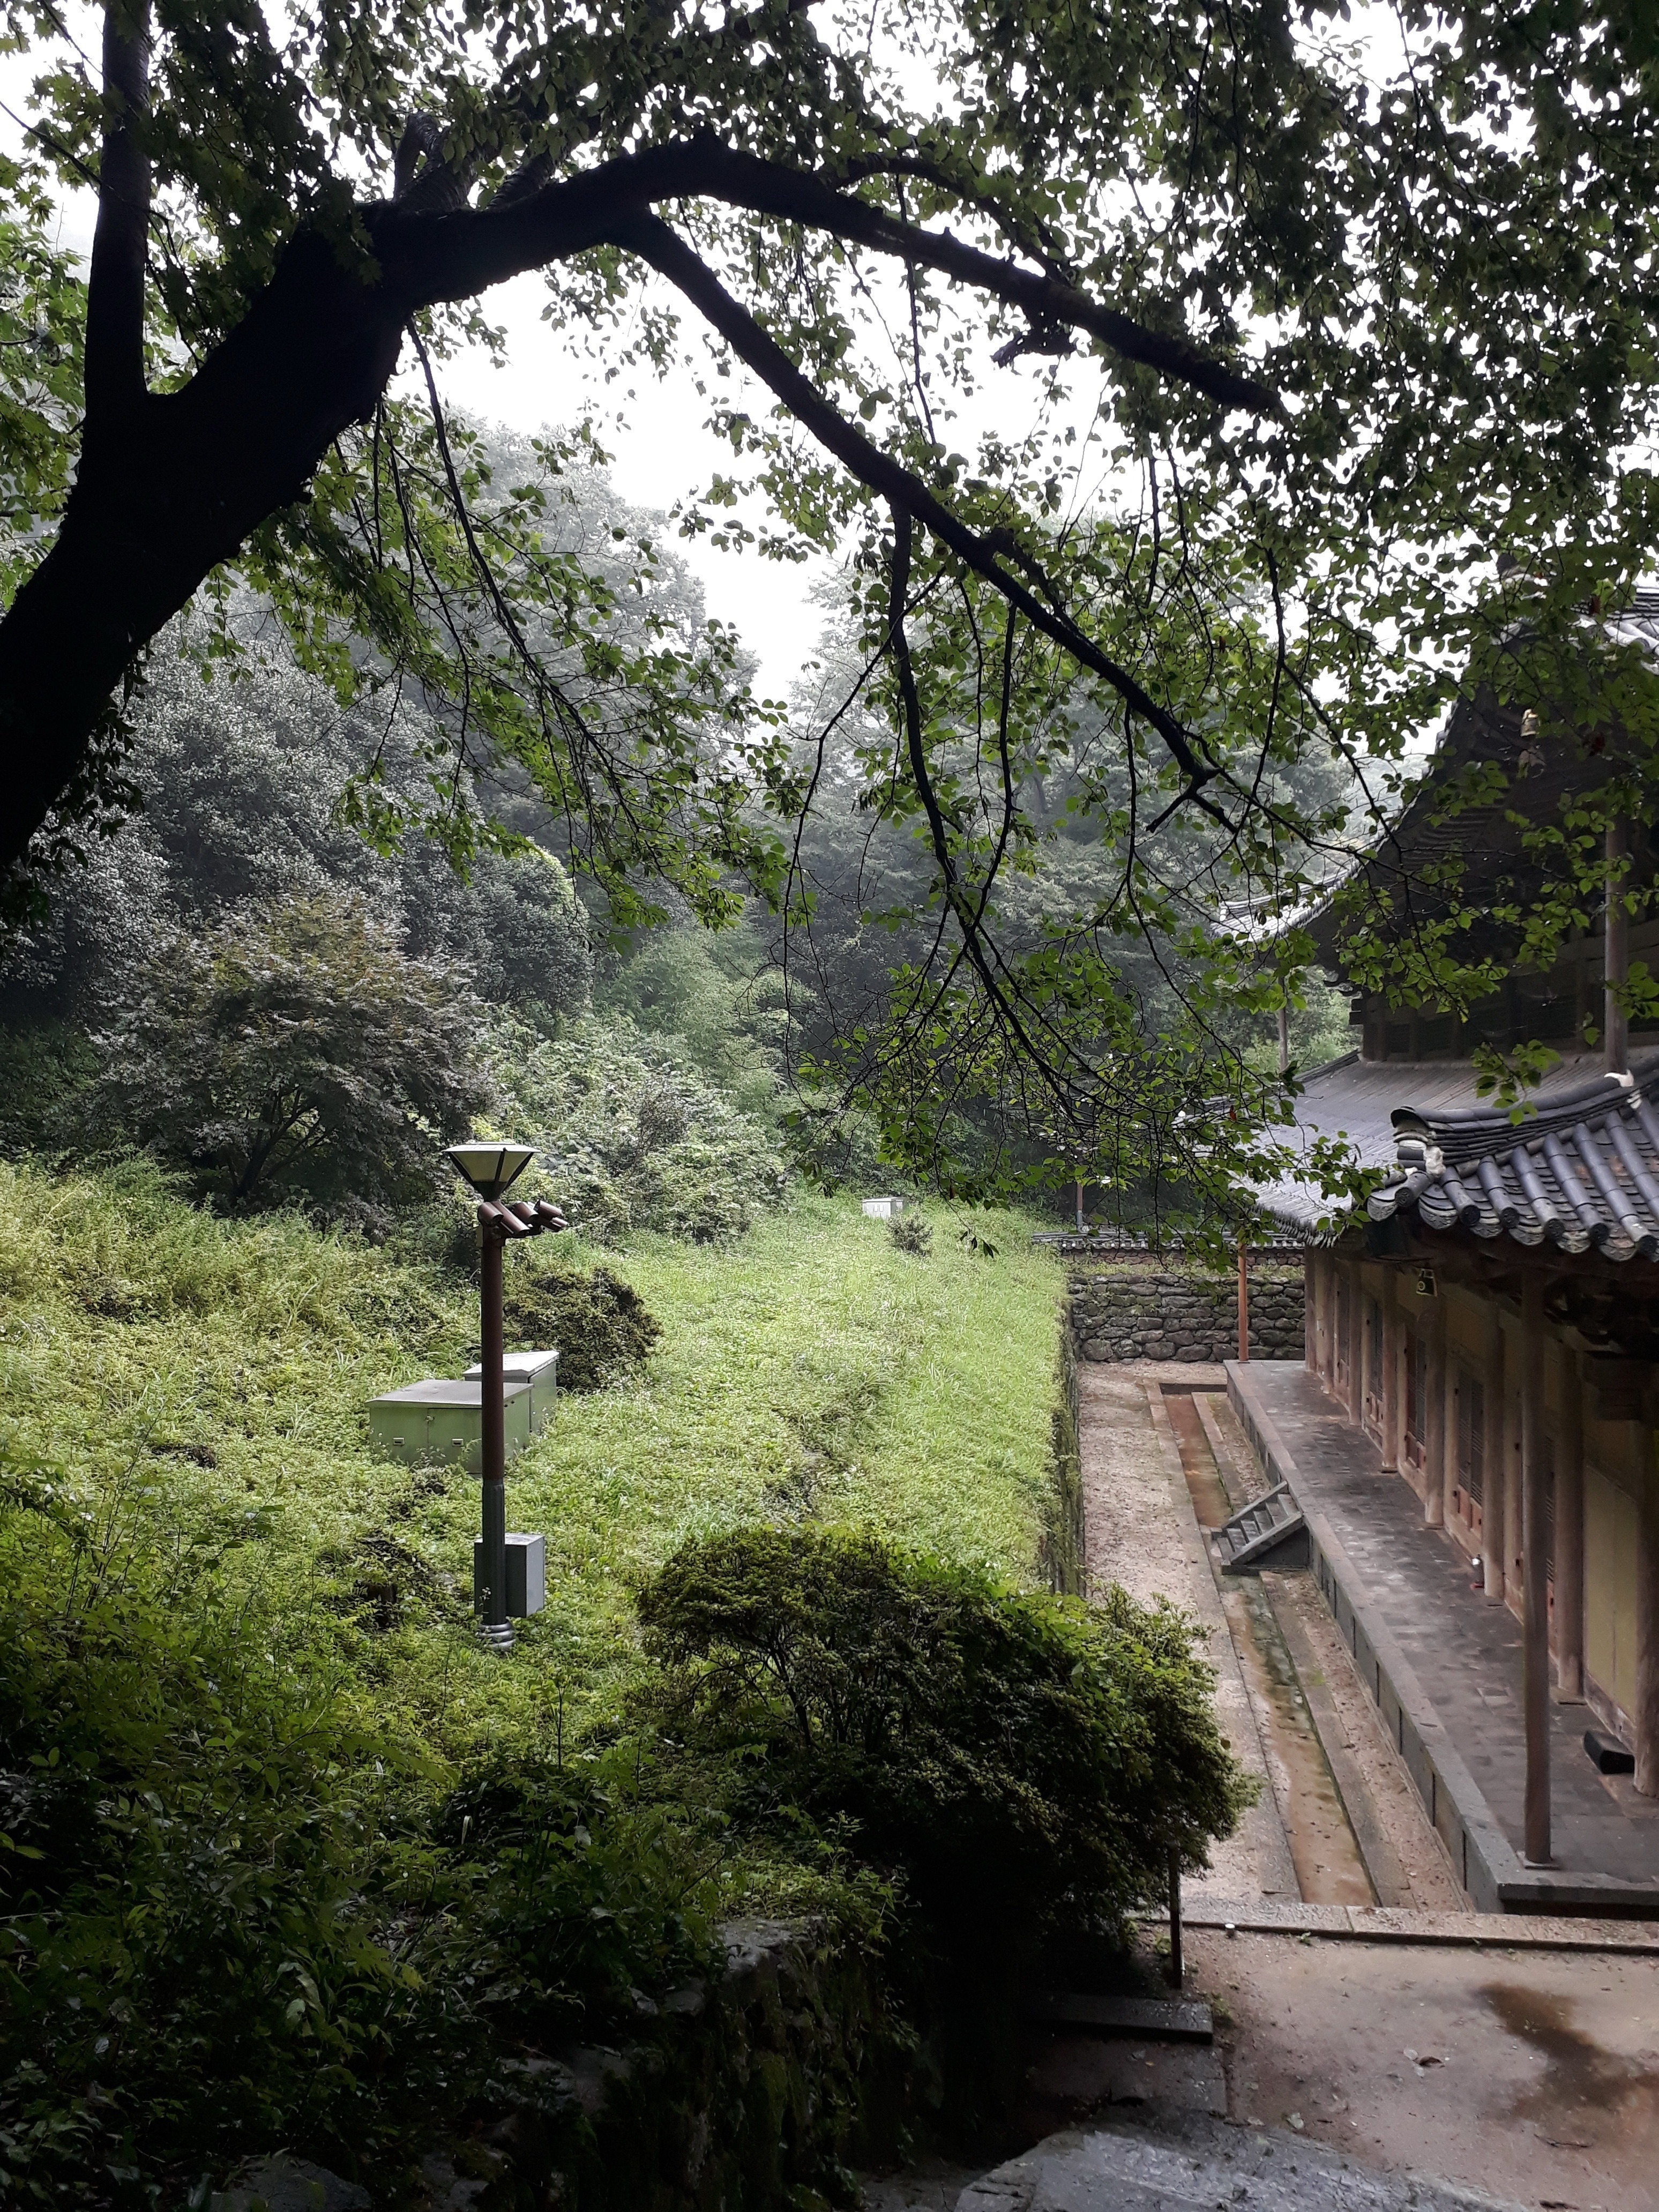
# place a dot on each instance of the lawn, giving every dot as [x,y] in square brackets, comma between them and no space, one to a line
[211,1376]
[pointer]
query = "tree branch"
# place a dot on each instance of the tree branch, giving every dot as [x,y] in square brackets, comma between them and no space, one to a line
[653,241]
[115,289]
[475,248]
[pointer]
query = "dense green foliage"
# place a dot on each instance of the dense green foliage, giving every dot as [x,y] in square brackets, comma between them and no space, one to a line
[294,1052]
[630,1135]
[600,1324]
[293,1017]
[233,1913]
[1012,1762]
[311,1860]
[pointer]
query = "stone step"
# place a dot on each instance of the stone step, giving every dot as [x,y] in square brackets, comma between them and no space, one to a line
[1171,2161]
[1168,2020]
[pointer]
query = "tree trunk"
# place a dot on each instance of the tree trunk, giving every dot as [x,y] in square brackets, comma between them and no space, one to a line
[160,504]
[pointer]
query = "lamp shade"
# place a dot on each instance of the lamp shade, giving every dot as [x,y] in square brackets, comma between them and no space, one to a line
[489,1167]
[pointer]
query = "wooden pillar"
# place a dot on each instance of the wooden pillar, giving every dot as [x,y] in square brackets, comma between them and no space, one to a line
[1319,1334]
[1310,1312]
[1515,1594]
[1393,1379]
[1496,1470]
[1570,1532]
[1327,1336]
[1440,1432]
[1535,1637]
[1356,1344]
[1646,1715]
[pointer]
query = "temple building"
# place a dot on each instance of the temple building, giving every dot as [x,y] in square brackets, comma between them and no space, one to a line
[1471,1441]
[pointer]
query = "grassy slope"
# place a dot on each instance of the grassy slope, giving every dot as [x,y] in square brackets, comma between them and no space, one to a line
[813,1369]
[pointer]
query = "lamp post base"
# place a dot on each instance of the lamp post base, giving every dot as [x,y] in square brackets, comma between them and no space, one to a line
[495,1635]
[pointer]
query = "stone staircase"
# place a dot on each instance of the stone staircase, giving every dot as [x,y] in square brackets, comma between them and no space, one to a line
[1269,1532]
[1172,2161]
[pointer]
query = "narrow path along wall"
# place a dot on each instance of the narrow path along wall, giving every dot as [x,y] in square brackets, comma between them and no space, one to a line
[1142,1306]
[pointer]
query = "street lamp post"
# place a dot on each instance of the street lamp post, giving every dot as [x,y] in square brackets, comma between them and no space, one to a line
[491,1170]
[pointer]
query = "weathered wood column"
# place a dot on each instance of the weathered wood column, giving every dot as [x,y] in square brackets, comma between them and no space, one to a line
[1536,1633]
[1646,1715]
[1495,1449]
[1393,1379]
[1570,1530]
[1328,1266]
[1310,1311]
[1514,1503]
[1355,1346]
[1439,1448]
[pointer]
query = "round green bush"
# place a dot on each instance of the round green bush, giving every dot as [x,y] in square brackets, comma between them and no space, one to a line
[1013,1762]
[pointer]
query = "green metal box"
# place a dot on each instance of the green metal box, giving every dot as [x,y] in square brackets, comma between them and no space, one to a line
[433,1424]
[540,1369]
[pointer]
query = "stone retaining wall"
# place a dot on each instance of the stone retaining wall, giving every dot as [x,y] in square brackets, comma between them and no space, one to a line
[1060,1553]
[1138,1307]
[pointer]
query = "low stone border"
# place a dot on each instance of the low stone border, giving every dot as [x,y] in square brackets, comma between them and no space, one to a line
[1487,1864]
[1383,1924]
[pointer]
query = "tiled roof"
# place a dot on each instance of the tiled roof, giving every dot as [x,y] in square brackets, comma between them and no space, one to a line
[1356,1102]
[1581,1172]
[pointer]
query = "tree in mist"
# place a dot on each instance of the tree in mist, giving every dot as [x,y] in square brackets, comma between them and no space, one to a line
[1356,315]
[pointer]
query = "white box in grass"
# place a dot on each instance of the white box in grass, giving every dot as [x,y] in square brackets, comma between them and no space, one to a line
[526,1575]
[883,1209]
[540,1371]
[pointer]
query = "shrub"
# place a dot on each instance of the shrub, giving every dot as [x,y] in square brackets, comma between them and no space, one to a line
[911,1234]
[186,1963]
[296,1052]
[233,1919]
[600,1323]
[1014,1763]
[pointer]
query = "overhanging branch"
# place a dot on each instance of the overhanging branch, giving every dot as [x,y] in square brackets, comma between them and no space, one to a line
[653,241]
[457,255]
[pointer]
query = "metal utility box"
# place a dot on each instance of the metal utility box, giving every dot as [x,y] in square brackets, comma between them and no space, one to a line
[540,1369]
[883,1209]
[431,1423]
[526,1575]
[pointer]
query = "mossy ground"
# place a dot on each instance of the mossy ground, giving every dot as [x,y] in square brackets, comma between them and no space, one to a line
[217,1372]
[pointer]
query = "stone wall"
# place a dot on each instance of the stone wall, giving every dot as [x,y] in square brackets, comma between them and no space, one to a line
[760,2088]
[1143,1307]
[1060,1553]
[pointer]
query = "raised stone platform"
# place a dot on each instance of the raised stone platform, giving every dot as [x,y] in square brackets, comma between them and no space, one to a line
[1444,1667]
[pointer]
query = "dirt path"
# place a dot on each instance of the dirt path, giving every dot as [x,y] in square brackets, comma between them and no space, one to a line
[1140,1531]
